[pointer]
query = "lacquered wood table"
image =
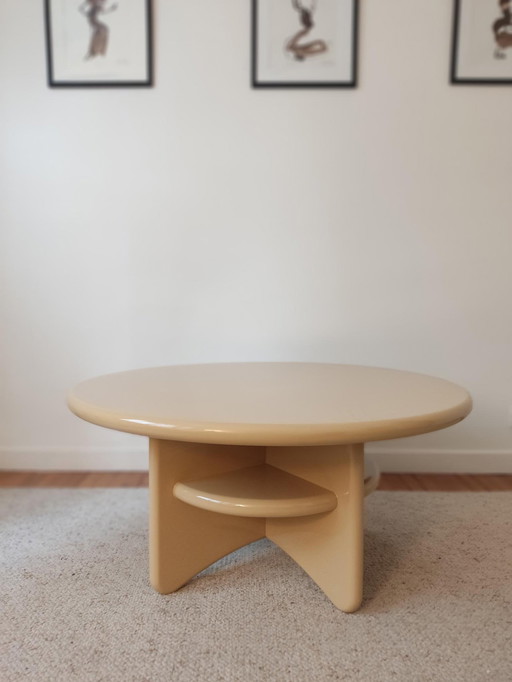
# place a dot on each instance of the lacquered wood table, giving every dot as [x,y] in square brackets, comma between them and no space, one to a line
[244,451]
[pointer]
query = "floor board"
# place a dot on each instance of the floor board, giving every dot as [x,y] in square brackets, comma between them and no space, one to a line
[139,479]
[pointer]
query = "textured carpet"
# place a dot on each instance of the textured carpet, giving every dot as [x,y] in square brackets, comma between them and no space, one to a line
[76,603]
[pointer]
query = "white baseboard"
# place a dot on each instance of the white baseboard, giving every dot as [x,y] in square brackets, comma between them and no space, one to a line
[442,461]
[73,459]
[123,459]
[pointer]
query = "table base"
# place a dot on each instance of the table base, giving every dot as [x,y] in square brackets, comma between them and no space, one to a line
[185,539]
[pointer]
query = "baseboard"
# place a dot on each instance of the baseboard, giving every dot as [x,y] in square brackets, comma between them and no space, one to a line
[122,459]
[73,459]
[442,461]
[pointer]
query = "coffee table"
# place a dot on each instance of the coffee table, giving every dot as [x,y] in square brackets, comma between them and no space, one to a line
[243,451]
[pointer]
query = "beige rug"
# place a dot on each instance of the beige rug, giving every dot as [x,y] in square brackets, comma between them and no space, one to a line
[76,604]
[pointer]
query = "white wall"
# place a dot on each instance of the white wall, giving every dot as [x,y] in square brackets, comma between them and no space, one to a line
[202,220]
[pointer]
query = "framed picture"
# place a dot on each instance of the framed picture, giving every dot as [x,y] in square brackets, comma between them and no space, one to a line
[482,42]
[304,43]
[98,42]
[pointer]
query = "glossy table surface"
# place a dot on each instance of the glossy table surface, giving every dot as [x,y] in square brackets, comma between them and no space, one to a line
[281,404]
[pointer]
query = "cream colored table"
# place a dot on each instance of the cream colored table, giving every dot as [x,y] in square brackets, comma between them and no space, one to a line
[243,451]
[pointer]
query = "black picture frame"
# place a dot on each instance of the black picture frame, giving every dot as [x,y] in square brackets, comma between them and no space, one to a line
[457,77]
[351,82]
[143,73]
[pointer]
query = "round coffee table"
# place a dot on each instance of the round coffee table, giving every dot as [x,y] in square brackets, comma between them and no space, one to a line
[243,451]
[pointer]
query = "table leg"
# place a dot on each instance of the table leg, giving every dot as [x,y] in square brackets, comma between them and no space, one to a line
[183,540]
[329,546]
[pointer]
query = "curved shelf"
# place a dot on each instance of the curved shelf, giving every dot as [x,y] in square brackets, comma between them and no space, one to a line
[258,491]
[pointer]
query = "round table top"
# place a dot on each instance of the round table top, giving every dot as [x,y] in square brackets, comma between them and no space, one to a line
[270,403]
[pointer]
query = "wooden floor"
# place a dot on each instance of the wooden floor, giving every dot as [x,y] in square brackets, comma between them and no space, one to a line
[136,479]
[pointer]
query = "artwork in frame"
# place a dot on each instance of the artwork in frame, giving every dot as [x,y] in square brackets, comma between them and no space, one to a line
[482,42]
[304,43]
[98,42]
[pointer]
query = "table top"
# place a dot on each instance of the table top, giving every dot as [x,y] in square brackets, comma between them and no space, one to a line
[270,403]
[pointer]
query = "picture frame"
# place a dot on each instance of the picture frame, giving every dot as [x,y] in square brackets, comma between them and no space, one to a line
[481,42]
[304,43]
[99,43]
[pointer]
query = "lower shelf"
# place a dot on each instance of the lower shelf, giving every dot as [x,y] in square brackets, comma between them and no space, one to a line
[260,491]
